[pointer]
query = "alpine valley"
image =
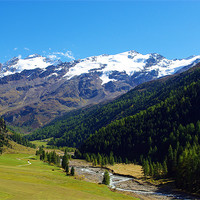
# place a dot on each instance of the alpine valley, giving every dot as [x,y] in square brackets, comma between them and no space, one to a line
[36,90]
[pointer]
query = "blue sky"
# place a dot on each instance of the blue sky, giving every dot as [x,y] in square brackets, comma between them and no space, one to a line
[81,29]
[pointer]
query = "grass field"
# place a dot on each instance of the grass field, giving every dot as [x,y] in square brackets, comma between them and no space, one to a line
[17,148]
[128,169]
[38,180]
[41,142]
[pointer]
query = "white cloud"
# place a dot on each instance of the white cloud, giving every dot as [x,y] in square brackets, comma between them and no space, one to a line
[53,57]
[27,49]
[67,54]
[15,49]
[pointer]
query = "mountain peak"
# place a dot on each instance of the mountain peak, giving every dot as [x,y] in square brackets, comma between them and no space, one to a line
[17,65]
[12,61]
[132,52]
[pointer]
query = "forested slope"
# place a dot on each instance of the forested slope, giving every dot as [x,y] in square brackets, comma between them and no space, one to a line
[6,136]
[73,128]
[157,124]
[167,132]
[3,136]
[173,121]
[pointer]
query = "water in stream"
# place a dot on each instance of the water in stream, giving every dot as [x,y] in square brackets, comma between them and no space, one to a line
[123,183]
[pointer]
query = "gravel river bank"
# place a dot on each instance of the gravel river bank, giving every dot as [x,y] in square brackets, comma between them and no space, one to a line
[127,184]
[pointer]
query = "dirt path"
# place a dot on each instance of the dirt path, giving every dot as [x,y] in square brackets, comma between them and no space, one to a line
[29,163]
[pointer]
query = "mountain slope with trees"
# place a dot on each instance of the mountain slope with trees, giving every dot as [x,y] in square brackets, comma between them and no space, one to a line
[164,137]
[6,136]
[73,128]
[3,136]
[156,124]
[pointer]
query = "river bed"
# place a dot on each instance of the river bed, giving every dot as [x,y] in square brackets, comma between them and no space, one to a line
[130,185]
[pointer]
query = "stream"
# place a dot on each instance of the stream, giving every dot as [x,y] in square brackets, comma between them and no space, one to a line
[127,184]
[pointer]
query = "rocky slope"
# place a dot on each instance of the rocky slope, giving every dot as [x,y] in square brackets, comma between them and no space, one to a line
[35,90]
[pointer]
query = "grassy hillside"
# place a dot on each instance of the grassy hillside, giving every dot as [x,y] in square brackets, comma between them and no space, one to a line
[10,141]
[22,176]
[41,142]
[20,180]
[16,148]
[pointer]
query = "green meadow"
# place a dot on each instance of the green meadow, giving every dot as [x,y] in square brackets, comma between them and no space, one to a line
[41,142]
[38,180]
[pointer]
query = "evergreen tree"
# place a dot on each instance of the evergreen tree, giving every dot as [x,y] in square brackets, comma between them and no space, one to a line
[105,160]
[165,171]
[99,158]
[67,169]
[95,162]
[111,159]
[170,160]
[72,171]
[106,178]
[126,161]
[146,168]
[87,157]
[65,161]
[151,170]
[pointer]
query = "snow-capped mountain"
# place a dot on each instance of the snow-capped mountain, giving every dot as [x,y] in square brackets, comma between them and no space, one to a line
[17,65]
[128,62]
[35,90]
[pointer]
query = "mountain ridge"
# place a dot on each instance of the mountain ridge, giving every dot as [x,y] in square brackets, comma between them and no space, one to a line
[36,90]
[126,61]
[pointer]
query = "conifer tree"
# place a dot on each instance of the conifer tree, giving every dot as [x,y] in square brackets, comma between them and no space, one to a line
[95,162]
[111,159]
[146,168]
[87,157]
[99,159]
[65,161]
[165,171]
[72,171]
[106,178]
[67,169]
[105,160]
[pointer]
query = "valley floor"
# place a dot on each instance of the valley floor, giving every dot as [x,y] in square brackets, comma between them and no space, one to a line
[126,184]
[24,177]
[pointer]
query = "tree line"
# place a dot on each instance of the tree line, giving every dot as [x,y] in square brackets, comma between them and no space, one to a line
[21,140]
[53,158]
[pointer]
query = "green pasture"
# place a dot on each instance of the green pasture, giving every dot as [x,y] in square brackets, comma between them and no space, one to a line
[40,142]
[38,180]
